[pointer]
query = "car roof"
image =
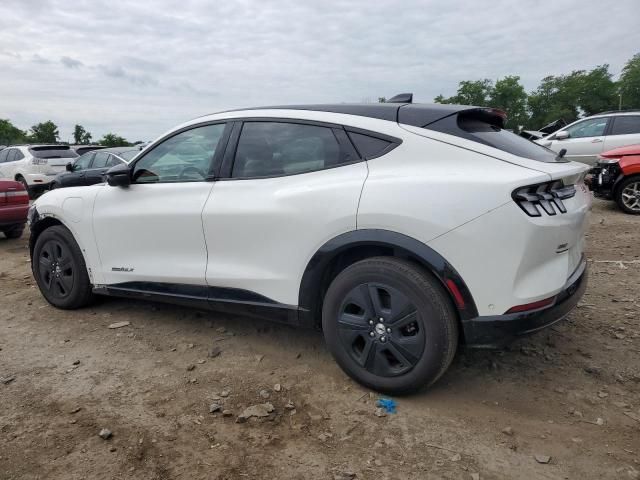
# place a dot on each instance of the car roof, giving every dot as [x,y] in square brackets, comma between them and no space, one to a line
[415,114]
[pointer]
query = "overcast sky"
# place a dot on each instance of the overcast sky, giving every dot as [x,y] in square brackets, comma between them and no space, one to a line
[137,68]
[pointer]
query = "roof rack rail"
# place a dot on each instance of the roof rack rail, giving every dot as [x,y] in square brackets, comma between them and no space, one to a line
[630,110]
[401,98]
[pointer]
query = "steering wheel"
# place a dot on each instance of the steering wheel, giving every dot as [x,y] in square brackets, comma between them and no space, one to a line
[185,170]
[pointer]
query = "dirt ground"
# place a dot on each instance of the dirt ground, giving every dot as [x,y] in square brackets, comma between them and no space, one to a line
[571,393]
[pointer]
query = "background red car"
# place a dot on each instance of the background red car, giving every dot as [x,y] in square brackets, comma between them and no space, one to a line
[616,176]
[14,205]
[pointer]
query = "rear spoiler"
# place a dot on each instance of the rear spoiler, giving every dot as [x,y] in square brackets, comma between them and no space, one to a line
[492,116]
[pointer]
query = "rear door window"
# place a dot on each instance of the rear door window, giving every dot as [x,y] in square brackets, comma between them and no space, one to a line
[100,160]
[268,149]
[626,125]
[11,157]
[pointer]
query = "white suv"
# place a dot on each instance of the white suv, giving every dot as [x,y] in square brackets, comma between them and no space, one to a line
[587,138]
[35,166]
[401,230]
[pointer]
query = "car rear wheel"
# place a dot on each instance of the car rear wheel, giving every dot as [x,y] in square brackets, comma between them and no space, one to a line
[14,231]
[390,325]
[628,195]
[59,269]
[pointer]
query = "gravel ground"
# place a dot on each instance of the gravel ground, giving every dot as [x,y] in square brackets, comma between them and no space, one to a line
[568,396]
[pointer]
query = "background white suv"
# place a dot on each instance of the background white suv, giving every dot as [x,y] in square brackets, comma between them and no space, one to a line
[34,166]
[401,230]
[585,139]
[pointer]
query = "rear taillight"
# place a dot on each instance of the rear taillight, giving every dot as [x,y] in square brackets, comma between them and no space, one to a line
[545,196]
[38,161]
[19,197]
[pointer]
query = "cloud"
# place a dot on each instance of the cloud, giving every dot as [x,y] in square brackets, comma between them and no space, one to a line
[71,62]
[117,71]
[36,58]
[151,64]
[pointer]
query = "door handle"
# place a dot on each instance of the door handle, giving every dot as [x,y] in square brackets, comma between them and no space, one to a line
[597,140]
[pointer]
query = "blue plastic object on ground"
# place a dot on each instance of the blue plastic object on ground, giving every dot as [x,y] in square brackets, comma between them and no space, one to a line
[388,404]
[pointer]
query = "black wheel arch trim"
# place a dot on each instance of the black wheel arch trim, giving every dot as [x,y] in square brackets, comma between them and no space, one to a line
[395,244]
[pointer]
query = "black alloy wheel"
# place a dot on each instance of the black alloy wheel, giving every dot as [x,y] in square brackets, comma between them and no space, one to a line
[378,326]
[390,324]
[56,268]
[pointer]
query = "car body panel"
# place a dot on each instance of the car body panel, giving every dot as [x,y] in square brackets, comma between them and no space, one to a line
[278,224]
[586,149]
[14,203]
[448,193]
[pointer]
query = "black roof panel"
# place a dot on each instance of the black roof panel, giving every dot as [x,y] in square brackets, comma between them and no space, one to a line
[416,114]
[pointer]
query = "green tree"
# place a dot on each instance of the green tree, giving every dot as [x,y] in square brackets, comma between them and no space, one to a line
[555,97]
[629,83]
[81,136]
[509,95]
[9,133]
[598,92]
[470,92]
[113,140]
[45,132]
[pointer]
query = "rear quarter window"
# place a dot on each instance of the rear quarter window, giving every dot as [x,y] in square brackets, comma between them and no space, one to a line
[369,146]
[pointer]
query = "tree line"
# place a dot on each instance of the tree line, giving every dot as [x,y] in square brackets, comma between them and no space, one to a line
[571,96]
[47,132]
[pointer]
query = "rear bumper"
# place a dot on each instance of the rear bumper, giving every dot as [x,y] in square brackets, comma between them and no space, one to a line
[39,180]
[498,330]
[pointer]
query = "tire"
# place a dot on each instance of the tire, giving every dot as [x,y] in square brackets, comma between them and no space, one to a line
[14,231]
[415,342]
[628,195]
[59,269]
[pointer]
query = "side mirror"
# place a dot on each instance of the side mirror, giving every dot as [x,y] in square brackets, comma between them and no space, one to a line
[563,135]
[119,175]
[69,167]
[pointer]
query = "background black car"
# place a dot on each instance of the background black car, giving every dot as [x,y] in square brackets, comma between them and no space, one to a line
[82,149]
[88,169]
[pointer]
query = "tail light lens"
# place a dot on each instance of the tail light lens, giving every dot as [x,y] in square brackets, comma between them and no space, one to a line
[545,196]
[17,197]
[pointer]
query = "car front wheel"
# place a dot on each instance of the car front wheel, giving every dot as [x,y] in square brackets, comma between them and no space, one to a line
[390,325]
[59,269]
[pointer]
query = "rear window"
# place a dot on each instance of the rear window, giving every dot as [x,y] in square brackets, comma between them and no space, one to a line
[53,151]
[470,128]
